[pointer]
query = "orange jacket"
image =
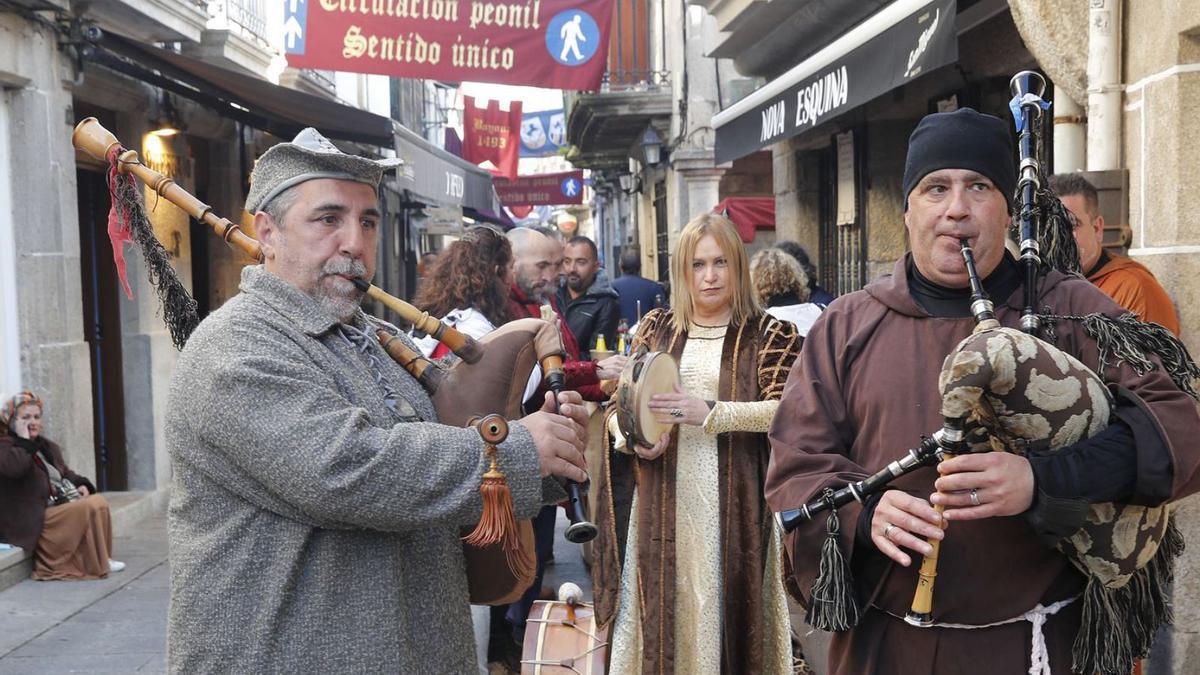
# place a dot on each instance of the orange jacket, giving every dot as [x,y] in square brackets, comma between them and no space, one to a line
[1134,287]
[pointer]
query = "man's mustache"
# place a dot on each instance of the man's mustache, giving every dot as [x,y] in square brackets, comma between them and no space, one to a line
[346,266]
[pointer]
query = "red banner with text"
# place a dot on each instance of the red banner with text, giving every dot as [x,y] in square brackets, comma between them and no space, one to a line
[547,188]
[558,44]
[490,134]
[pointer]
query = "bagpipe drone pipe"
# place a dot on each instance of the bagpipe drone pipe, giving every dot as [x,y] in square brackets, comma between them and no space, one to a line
[489,379]
[1008,390]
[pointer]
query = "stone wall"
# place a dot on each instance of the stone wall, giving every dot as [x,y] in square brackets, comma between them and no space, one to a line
[886,145]
[43,219]
[1161,132]
[796,178]
[749,176]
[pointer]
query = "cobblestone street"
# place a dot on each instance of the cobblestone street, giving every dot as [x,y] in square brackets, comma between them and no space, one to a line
[118,625]
[113,625]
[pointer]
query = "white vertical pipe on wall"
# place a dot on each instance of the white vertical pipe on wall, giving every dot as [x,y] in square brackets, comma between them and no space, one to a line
[1104,85]
[10,335]
[656,19]
[1070,134]
[600,232]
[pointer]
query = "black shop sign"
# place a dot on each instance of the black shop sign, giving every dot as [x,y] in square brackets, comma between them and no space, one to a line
[916,44]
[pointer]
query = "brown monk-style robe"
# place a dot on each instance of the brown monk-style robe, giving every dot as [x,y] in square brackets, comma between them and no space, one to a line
[864,390]
[756,358]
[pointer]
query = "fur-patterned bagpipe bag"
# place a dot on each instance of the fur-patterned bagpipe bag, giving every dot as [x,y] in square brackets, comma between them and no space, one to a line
[1018,393]
[1007,390]
[1024,394]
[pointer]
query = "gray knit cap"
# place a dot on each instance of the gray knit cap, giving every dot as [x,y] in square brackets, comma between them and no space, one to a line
[310,155]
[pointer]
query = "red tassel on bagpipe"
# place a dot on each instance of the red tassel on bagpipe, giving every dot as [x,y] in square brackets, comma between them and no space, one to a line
[118,217]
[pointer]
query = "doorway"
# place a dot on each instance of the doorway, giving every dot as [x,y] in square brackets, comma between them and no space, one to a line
[102,330]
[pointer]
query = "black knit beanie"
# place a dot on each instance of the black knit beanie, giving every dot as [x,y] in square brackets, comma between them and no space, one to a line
[963,139]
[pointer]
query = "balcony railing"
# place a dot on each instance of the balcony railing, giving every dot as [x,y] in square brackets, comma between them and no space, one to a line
[631,59]
[248,18]
[635,80]
[323,78]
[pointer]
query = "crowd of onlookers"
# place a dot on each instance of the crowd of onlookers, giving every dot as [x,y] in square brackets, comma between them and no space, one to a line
[592,301]
[486,279]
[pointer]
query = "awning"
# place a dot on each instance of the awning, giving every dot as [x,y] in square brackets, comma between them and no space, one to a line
[488,216]
[748,214]
[900,42]
[258,103]
[435,177]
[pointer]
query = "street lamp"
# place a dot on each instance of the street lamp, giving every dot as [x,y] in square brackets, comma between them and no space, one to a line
[167,123]
[651,146]
[626,180]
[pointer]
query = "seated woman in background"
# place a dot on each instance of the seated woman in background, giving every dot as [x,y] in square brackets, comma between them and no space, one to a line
[44,506]
[782,287]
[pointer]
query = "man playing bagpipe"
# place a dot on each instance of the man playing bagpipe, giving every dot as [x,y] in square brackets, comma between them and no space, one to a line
[317,503]
[1019,588]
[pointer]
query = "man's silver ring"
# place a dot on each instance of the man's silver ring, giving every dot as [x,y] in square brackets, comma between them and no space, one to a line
[974,497]
[887,531]
[676,413]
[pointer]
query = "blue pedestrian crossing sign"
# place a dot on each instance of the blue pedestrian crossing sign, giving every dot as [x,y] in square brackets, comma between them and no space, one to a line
[572,37]
[570,187]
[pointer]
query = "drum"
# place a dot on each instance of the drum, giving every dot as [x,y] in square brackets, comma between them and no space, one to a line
[644,376]
[560,638]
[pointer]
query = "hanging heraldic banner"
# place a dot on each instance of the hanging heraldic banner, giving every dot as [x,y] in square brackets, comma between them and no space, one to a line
[490,135]
[558,44]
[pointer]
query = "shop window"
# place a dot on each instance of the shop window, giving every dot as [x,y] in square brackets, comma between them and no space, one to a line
[662,237]
[843,238]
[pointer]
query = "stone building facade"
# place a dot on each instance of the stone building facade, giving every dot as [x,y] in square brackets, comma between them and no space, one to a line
[42,345]
[647,134]
[102,360]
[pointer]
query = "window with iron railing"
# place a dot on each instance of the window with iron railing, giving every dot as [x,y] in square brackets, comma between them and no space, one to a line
[247,18]
[322,77]
[843,241]
[630,58]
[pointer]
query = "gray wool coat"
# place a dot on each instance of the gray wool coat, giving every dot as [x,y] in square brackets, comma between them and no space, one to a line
[313,529]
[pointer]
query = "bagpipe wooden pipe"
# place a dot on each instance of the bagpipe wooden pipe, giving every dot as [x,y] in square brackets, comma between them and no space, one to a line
[925,454]
[91,137]
[490,379]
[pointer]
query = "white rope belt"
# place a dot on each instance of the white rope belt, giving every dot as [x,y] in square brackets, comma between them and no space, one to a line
[1039,656]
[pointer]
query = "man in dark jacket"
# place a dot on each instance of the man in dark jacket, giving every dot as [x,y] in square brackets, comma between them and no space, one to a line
[588,302]
[638,294]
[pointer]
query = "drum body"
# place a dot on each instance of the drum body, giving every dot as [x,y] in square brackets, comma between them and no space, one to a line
[555,644]
[644,376]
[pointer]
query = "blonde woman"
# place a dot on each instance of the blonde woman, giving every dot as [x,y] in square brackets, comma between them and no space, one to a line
[700,589]
[782,287]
